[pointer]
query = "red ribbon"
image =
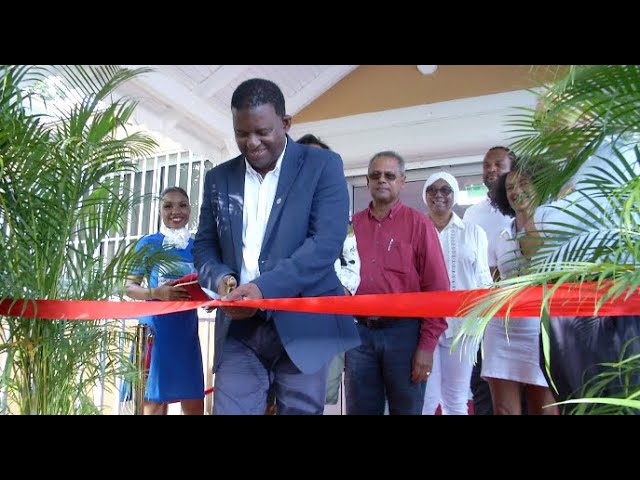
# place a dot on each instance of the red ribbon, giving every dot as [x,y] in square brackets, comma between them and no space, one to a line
[580,300]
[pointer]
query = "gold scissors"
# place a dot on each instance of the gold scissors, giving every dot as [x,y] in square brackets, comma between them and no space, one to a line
[229,283]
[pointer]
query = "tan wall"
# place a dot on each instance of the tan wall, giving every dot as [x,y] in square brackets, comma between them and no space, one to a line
[374,88]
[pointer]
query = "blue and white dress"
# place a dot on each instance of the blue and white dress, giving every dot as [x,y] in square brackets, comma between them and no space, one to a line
[175,371]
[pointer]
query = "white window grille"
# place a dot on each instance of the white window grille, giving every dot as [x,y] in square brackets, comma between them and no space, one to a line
[182,169]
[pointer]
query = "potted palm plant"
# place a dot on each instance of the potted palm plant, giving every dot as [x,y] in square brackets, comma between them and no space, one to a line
[61,193]
[583,138]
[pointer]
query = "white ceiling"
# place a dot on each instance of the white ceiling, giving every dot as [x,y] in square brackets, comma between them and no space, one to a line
[190,104]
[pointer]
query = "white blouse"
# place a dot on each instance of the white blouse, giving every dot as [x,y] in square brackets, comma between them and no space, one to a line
[464,246]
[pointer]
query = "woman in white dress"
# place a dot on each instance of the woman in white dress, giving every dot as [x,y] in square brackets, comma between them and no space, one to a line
[464,246]
[511,351]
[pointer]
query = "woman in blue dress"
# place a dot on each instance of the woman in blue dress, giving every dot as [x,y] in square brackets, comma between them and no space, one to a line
[175,369]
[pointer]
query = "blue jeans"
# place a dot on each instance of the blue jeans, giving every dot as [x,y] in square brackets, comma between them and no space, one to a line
[380,368]
[251,363]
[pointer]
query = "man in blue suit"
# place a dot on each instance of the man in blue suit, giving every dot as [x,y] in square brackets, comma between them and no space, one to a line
[273,221]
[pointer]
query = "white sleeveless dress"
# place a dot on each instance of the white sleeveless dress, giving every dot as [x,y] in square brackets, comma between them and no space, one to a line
[512,353]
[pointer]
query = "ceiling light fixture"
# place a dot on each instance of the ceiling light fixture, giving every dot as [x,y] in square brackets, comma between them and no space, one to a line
[427,69]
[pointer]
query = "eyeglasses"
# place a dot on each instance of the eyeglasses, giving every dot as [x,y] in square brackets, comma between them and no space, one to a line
[444,191]
[389,176]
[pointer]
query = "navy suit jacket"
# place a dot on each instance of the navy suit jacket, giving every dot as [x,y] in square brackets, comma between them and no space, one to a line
[303,238]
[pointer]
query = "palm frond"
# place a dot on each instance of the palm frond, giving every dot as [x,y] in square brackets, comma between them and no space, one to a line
[575,115]
[60,196]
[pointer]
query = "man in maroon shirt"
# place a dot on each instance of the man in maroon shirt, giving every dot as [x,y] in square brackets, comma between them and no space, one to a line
[399,252]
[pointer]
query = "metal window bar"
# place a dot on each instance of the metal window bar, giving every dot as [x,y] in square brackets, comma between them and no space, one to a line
[153,219]
[178,170]
[189,173]
[143,180]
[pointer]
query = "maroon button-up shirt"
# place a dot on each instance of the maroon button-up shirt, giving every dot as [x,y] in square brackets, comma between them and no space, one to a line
[401,253]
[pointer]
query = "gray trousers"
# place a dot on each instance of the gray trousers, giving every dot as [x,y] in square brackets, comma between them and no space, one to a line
[255,361]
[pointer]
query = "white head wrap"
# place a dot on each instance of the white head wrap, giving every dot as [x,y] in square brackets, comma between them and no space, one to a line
[447,177]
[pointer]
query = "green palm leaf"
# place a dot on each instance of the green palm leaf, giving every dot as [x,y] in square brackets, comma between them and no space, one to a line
[60,196]
[585,131]
[576,114]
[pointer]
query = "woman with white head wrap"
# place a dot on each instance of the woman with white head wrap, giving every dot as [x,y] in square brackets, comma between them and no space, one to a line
[465,252]
[449,179]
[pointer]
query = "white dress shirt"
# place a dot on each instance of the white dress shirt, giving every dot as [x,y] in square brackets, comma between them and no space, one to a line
[259,195]
[492,222]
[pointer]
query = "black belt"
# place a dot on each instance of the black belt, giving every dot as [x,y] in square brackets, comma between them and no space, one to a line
[382,322]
